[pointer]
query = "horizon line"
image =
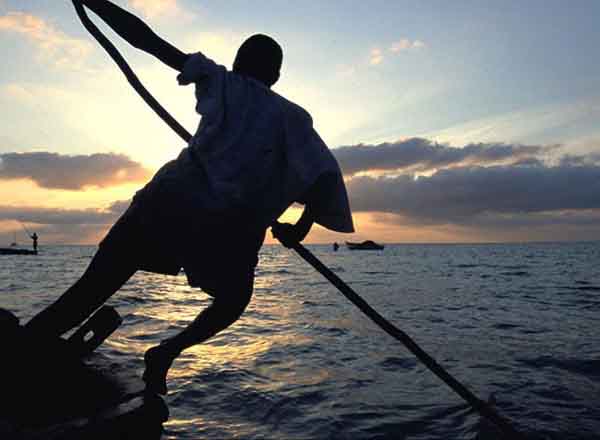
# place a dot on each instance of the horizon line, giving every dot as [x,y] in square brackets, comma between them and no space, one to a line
[388,243]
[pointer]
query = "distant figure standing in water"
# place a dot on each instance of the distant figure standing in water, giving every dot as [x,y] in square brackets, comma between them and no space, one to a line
[253,155]
[335,246]
[34,237]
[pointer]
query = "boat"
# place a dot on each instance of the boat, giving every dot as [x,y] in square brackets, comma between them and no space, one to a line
[56,388]
[368,245]
[17,251]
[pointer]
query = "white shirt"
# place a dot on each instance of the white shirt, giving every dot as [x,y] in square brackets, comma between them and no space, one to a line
[260,151]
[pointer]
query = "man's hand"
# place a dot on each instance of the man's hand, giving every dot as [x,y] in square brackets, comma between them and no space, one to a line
[136,32]
[288,234]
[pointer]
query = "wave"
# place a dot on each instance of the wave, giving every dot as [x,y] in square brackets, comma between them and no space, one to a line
[518,273]
[394,363]
[589,368]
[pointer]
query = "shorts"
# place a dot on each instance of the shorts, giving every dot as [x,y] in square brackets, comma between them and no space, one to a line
[164,231]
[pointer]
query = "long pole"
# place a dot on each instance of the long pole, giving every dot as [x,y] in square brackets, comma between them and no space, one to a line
[479,405]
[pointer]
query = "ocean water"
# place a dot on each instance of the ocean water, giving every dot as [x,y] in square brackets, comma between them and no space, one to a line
[514,322]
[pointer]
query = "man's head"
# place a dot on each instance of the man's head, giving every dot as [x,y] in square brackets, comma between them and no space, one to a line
[259,57]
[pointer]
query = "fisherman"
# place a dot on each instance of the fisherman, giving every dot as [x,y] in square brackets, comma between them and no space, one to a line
[253,155]
[34,237]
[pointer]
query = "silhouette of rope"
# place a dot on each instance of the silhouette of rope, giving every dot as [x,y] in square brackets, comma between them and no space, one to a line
[129,74]
[477,404]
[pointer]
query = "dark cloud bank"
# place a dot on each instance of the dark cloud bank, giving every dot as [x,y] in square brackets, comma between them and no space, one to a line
[479,185]
[493,186]
[64,225]
[471,195]
[496,186]
[56,171]
[67,217]
[419,155]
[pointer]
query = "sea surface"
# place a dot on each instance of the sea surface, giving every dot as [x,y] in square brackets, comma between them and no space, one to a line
[518,324]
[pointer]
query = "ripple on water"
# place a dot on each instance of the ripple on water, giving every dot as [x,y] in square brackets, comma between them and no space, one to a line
[395,363]
[589,368]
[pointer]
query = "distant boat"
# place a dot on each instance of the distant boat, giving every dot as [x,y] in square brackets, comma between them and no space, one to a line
[365,245]
[16,251]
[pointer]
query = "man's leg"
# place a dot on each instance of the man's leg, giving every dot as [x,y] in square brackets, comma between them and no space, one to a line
[107,272]
[225,309]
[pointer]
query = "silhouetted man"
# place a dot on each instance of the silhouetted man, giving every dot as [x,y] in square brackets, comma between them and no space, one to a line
[34,237]
[253,155]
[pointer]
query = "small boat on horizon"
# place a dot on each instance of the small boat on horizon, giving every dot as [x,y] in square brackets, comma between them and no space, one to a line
[368,245]
[17,251]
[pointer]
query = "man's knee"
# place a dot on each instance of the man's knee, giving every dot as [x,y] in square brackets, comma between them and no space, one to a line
[233,305]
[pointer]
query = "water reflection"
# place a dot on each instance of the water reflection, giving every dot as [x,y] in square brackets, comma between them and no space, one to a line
[303,363]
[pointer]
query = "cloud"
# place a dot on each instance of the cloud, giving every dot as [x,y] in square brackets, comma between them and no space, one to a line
[376,56]
[55,225]
[543,123]
[484,195]
[57,216]
[157,8]
[219,46]
[52,44]
[514,196]
[56,171]
[417,154]
[406,44]
[580,160]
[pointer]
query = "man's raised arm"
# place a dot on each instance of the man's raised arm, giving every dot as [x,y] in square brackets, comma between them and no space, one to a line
[137,33]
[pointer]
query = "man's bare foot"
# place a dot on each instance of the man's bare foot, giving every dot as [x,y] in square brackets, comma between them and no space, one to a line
[158,362]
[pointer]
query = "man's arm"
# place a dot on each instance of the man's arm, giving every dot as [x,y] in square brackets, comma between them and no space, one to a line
[304,224]
[289,234]
[137,33]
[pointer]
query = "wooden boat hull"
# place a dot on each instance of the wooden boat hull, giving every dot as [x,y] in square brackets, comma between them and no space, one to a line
[49,392]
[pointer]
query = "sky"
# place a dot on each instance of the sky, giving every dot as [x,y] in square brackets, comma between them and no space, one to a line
[464,121]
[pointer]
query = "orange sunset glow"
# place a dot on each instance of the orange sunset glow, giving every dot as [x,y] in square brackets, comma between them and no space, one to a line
[425,157]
